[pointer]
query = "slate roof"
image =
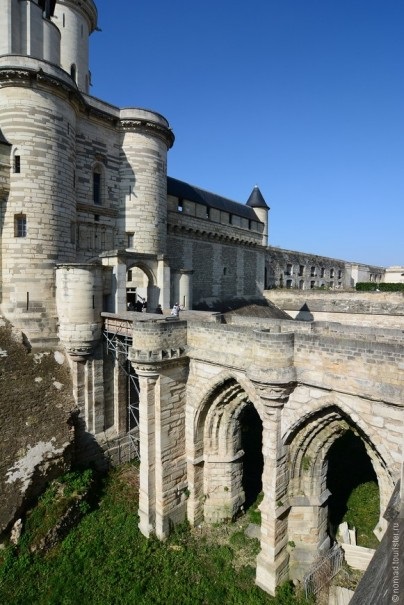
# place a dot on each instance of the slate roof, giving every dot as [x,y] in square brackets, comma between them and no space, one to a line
[189,192]
[256,199]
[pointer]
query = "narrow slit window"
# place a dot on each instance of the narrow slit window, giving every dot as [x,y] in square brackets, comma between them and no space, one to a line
[97,188]
[17,164]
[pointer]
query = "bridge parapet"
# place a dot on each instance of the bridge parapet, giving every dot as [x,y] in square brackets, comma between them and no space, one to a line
[155,342]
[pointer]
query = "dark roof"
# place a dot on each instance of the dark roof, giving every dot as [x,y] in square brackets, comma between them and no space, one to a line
[185,191]
[256,199]
[3,139]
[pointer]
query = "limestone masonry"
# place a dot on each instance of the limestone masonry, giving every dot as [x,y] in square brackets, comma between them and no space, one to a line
[92,228]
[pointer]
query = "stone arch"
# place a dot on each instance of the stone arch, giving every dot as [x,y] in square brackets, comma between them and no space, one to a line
[141,284]
[216,470]
[309,441]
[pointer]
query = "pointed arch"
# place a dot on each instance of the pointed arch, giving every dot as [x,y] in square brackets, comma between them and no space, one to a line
[215,448]
[309,441]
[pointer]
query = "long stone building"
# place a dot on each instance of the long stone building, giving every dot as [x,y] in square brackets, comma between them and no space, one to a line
[90,226]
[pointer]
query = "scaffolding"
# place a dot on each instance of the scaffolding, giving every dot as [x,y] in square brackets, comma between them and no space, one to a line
[118,344]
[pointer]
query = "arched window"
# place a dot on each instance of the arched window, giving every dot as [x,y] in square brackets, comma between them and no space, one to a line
[16,161]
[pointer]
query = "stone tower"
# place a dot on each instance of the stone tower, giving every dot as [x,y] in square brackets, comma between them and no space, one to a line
[256,201]
[38,111]
[84,178]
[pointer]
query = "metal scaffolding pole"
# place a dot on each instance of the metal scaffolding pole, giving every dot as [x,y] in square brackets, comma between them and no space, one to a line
[118,345]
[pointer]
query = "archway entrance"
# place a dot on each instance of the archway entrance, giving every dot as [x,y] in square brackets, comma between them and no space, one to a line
[328,453]
[253,460]
[228,438]
[141,293]
[354,489]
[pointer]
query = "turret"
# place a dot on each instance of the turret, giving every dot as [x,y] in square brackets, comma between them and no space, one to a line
[143,177]
[76,20]
[261,208]
[49,30]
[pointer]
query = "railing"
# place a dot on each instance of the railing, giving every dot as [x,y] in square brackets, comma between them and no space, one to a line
[323,570]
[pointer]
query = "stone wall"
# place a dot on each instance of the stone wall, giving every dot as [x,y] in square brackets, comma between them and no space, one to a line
[36,419]
[381,309]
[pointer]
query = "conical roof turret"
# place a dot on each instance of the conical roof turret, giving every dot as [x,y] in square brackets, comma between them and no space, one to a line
[256,199]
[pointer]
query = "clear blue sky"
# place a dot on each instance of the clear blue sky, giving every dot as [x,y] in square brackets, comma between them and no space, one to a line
[304,98]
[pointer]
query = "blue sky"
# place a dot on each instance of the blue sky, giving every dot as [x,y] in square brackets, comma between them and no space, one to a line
[303,98]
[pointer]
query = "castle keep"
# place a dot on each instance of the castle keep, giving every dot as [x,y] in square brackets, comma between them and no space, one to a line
[90,224]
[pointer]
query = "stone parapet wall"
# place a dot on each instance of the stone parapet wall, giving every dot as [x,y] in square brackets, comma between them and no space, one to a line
[159,339]
[351,365]
[383,309]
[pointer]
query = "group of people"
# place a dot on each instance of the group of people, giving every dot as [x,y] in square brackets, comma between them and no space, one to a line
[141,307]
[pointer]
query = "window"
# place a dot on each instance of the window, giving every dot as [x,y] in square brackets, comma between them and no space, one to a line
[301,270]
[289,269]
[312,284]
[332,272]
[129,274]
[20,225]
[322,272]
[180,205]
[313,272]
[339,274]
[73,71]
[97,187]
[17,164]
[130,238]
[72,232]
[224,270]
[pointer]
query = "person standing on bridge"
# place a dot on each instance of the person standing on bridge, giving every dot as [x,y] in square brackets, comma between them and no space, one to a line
[175,311]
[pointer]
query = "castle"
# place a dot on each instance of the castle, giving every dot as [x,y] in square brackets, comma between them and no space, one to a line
[91,224]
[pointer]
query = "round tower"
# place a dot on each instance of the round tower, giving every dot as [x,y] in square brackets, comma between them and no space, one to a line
[79,305]
[39,214]
[143,171]
[261,208]
[39,104]
[76,20]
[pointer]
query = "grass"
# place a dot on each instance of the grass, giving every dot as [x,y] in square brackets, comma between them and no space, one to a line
[254,514]
[363,513]
[106,561]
